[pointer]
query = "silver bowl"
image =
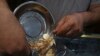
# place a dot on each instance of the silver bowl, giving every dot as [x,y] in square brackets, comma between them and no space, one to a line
[35,19]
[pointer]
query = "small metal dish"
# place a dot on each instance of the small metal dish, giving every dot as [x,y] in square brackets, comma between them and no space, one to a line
[35,19]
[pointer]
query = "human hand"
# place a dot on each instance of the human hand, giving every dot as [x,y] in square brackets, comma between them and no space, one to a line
[70,25]
[12,35]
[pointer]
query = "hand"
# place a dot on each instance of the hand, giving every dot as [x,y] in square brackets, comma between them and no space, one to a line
[70,25]
[12,35]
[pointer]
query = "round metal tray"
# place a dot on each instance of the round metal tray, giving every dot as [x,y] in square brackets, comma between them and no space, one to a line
[35,19]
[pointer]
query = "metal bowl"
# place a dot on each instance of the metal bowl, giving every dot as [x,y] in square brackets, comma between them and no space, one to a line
[35,19]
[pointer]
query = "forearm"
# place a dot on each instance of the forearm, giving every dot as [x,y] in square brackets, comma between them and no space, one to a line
[10,30]
[8,22]
[92,15]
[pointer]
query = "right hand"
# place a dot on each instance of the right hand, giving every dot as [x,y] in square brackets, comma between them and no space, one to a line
[70,25]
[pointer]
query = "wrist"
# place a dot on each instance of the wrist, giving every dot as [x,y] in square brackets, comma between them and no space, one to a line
[80,18]
[85,17]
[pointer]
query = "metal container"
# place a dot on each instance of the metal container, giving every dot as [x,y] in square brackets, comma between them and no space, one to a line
[35,19]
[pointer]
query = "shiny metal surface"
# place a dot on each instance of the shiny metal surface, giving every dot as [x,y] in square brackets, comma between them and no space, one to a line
[35,19]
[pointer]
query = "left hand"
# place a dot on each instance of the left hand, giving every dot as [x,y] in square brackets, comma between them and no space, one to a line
[70,25]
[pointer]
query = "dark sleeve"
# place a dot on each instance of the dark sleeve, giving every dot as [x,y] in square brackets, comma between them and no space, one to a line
[14,3]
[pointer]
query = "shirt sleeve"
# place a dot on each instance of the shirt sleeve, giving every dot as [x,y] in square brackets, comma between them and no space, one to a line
[95,1]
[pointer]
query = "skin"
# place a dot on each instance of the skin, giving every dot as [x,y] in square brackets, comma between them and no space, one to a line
[12,35]
[72,25]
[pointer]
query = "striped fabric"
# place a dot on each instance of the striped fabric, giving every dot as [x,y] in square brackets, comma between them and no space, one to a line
[60,8]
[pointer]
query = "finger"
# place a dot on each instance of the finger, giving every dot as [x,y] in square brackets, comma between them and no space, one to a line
[70,33]
[73,33]
[65,28]
[61,22]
